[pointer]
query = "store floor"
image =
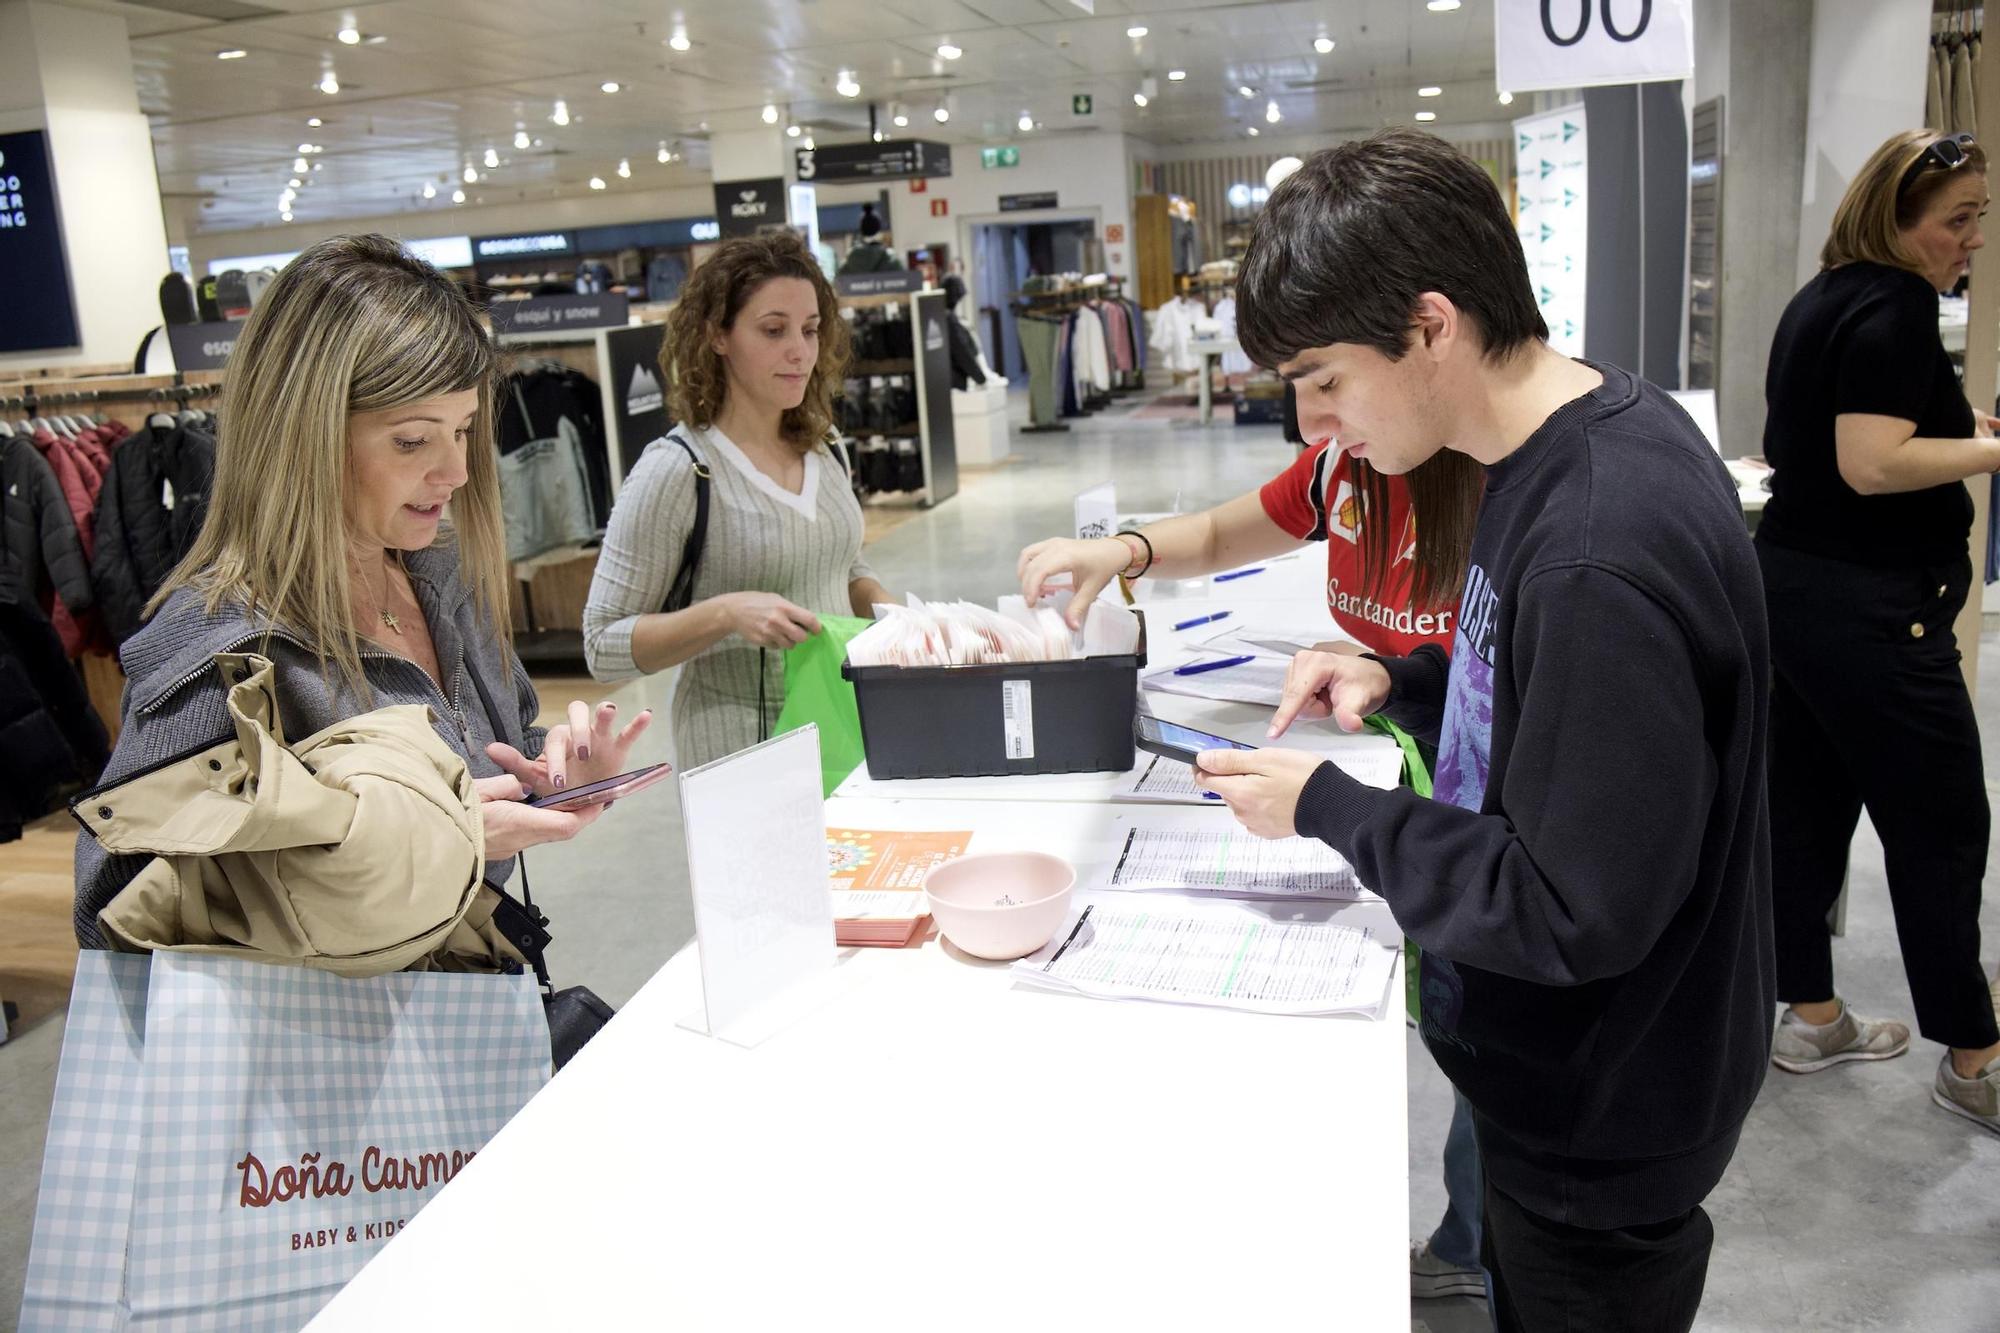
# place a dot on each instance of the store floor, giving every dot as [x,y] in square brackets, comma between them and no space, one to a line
[1853,1203]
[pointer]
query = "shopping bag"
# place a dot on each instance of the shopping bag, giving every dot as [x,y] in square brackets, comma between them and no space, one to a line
[815,692]
[232,1141]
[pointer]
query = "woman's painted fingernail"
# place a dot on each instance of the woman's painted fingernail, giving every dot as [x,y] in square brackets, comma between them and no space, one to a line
[583,752]
[561,781]
[527,793]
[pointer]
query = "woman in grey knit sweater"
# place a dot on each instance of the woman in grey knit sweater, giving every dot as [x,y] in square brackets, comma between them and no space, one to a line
[754,352]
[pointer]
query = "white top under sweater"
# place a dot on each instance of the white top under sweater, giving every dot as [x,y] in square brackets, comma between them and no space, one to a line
[806,548]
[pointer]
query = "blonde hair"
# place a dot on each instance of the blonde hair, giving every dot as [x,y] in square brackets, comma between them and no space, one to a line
[709,303]
[354,324]
[1867,226]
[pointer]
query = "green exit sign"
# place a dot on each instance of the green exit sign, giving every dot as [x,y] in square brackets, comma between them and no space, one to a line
[1009,156]
[1080,104]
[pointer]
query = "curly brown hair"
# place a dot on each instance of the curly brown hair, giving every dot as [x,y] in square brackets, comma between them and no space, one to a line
[709,303]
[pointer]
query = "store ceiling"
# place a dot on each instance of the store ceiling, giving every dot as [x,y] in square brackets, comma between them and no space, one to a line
[449,79]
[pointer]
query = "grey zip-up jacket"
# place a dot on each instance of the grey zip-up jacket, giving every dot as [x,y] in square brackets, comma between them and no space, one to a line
[176,703]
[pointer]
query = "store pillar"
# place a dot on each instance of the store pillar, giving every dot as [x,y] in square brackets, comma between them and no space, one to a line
[68,73]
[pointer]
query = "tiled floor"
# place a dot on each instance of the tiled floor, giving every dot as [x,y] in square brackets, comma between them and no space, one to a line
[1852,1203]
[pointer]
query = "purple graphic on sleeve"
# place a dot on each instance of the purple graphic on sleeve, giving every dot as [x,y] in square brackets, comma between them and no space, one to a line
[1465,743]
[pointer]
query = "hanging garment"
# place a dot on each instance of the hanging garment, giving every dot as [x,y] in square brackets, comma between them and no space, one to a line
[1038,349]
[1172,335]
[1963,119]
[545,491]
[149,512]
[1233,362]
[1933,94]
[53,740]
[664,276]
[1136,322]
[869,257]
[1093,366]
[1942,58]
[40,555]
[555,393]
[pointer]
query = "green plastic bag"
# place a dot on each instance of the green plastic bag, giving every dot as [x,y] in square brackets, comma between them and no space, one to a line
[1417,777]
[815,692]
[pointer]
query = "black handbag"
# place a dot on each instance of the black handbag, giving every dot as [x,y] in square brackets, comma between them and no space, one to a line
[575,1013]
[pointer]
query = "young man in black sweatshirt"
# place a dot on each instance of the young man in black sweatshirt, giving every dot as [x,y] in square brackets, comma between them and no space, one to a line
[1591,884]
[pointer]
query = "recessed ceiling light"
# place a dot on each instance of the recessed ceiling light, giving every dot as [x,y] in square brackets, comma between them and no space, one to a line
[293,183]
[1272,114]
[1323,44]
[942,114]
[1253,131]
[949,52]
[770,114]
[597,182]
[300,164]
[560,115]
[521,139]
[1430,90]
[679,41]
[1139,100]
[1176,75]
[1246,90]
[328,84]
[233,53]
[625,168]
[1506,99]
[1441,6]
[471,173]
[430,190]
[285,216]
[1025,123]
[901,119]
[1427,116]
[665,156]
[314,122]
[458,196]
[809,145]
[793,131]
[1136,31]
[492,158]
[609,86]
[349,35]
[845,84]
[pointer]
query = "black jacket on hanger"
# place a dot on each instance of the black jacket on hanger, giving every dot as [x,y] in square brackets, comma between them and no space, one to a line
[552,392]
[39,547]
[140,535]
[53,741]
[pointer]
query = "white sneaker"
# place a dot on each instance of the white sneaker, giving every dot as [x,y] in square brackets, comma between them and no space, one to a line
[1976,1099]
[1802,1048]
[1431,1278]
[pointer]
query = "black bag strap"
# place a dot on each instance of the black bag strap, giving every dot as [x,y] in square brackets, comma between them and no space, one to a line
[520,922]
[680,595]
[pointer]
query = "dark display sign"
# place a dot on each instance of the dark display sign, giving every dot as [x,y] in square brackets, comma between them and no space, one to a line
[934,364]
[638,398]
[901,159]
[744,208]
[1017,203]
[550,314]
[532,245]
[669,233]
[203,346]
[879,284]
[38,311]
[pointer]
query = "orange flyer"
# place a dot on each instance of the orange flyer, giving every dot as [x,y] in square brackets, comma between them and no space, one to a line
[875,860]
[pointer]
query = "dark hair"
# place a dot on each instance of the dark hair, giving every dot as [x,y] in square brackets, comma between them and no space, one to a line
[870,225]
[1350,240]
[1340,254]
[709,303]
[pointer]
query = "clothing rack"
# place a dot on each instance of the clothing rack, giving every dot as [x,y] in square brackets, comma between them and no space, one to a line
[31,400]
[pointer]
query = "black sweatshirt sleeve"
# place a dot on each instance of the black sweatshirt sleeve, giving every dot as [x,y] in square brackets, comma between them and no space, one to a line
[1416,690]
[1591,842]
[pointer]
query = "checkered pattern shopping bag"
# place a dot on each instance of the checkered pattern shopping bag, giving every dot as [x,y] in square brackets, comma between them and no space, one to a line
[232,1144]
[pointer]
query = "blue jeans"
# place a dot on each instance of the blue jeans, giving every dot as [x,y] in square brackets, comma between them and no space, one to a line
[1456,1240]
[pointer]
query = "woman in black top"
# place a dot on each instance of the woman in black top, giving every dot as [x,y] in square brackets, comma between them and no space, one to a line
[1865,565]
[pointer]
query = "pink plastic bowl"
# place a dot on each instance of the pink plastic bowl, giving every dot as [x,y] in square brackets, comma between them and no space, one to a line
[1000,905]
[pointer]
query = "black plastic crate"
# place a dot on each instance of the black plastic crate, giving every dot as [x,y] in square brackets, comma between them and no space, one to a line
[1259,411]
[993,720]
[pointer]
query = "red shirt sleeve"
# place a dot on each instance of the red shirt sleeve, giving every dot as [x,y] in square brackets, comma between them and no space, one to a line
[1295,499]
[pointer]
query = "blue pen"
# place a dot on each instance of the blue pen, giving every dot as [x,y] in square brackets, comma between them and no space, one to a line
[1239,574]
[1202,620]
[1200,667]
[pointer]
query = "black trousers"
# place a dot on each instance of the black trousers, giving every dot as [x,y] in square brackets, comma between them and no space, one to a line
[1868,709]
[1553,1278]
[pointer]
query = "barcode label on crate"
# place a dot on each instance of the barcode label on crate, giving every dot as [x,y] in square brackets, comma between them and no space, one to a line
[1017,717]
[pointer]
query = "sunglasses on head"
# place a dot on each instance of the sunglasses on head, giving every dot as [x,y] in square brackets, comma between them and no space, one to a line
[1945,153]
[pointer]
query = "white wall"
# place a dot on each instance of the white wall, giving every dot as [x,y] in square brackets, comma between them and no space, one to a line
[79,87]
[1867,83]
[1302,145]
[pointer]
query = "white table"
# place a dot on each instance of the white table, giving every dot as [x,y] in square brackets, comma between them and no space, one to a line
[933,1148]
[1206,349]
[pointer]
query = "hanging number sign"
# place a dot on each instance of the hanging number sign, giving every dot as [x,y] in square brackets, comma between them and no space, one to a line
[1542,44]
